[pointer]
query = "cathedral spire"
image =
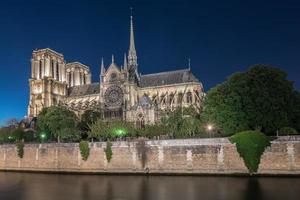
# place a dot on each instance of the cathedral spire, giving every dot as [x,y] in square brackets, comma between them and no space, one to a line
[112,58]
[125,62]
[102,71]
[132,58]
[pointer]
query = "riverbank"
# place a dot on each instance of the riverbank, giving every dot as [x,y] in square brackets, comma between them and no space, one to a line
[157,157]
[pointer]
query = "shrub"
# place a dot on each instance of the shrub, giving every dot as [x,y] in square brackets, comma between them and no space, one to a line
[110,130]
[108,151]
[20,149]
[153,130]
[84,150]
[287,131]
[29,136]
[18,134]
[250,145]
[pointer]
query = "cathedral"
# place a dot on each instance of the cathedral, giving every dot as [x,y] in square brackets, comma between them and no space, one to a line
[121,93]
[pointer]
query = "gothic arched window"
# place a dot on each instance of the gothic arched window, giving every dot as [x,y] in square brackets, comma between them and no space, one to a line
[40,69]
[52,68]
[57,71]
[70,79]
[140,122]
[113,76]
[189,98]
[171,97]
[179,98]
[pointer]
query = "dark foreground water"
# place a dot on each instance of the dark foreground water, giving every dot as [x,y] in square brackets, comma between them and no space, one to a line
[84,187]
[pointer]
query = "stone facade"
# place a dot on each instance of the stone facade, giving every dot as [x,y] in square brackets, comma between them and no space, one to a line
[122,92]
[196,156]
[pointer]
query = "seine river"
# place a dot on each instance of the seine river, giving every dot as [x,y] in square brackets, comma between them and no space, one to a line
[29,186]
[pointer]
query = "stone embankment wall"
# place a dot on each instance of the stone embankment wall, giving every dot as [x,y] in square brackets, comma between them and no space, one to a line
[189,156]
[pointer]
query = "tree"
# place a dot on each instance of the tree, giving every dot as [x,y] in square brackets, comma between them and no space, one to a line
[12,122]
[87,118]
[260,98]
[111,129]
[152,130]
[60,122]
[296,111]
[99,129]
[182,122]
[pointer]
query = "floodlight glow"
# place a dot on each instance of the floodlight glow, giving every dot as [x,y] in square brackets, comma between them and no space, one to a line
[209,127]
[120,132]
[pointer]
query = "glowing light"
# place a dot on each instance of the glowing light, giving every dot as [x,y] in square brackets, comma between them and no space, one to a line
[43,136]
[120,132]
[209,127]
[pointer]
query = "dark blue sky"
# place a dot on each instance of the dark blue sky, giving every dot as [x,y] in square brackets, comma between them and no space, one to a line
[220,37]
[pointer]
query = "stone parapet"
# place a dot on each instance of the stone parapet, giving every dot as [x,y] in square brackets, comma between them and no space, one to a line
[184,156]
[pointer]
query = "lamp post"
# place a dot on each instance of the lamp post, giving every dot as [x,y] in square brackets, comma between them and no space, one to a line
[209,128]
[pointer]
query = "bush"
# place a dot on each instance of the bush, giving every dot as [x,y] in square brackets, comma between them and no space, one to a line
[84,150]
[112,129]
[29,136]
[108,151]
[153,130]
[287,131]
[250,145]
[18,134]
[20,149]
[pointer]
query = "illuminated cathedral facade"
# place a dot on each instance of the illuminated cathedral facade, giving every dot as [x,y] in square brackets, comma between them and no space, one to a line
[121,93]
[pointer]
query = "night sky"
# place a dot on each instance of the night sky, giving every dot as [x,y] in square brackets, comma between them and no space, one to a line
[220,37]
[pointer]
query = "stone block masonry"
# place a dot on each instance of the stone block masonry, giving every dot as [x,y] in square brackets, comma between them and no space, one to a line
[186,156]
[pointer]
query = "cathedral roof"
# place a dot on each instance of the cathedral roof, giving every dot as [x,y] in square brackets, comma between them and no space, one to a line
[82,90]
[167,78]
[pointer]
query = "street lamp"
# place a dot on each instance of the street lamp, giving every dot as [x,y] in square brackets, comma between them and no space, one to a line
[209,128]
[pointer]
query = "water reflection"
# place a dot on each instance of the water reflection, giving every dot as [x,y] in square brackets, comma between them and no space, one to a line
[84,187]
[253,190]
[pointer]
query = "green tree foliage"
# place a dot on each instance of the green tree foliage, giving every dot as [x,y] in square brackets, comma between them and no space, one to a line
[20,149]
[182,122]
[122,129]
[250,145]
[84,150]
[60,122]
[12,132]
[5,132]
[18,134]
[87,118]
[296,111]
[152,130]
[99,129]
[287,131]
[108,151]
[258,99]
[111,129]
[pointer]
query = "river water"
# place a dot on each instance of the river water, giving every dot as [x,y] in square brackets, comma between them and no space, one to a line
[30,186]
